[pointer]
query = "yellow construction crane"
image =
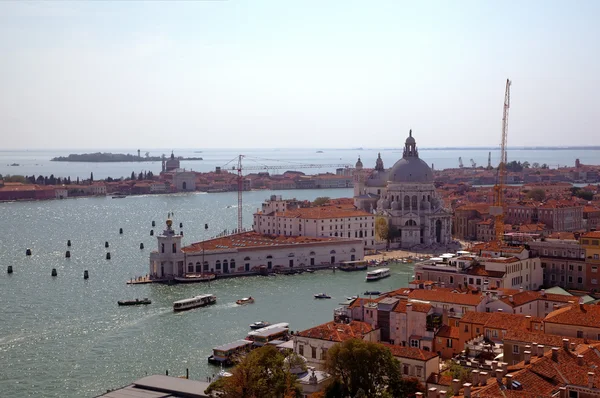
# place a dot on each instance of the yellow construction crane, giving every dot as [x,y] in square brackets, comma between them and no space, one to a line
[240,179]
[498,209]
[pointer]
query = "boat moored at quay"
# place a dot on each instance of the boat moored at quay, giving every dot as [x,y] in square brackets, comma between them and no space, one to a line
[194,302]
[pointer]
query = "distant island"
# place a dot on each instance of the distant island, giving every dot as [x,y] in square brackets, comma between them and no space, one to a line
[101,157]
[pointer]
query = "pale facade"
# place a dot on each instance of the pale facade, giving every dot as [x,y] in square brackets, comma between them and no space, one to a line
[184,181]
[406,197]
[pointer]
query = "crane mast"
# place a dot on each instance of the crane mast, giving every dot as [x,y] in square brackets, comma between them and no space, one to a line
[498,209]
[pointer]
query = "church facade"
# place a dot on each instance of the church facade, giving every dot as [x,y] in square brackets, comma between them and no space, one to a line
[405,195]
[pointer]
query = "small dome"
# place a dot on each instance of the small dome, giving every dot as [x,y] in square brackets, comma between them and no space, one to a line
[359,164]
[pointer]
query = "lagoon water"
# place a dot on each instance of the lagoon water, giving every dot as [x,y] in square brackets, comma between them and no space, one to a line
[37,162]
[66,337]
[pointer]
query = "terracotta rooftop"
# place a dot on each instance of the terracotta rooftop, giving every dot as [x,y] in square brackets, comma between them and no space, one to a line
[528,296]
[547,340]
[417,307]
[254,240]
[576,314]
[479,270]
[338,332]
[449,332]
[593,234]
[446,296]
[410,352]
[499,320]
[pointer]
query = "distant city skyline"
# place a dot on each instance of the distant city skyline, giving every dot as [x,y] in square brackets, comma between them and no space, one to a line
[272,74]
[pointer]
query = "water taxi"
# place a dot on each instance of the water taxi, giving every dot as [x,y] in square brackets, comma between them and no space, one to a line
[193,278]
[349,266]
[224,354]
[194,302]
[372,293]
[265,336]
[322,296]
[245,300]
[259,324]
[143,301]
[378,274]
[273,326]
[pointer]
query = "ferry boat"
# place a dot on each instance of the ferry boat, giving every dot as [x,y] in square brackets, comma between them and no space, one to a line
[273,326]
[353,266]
[378,274]
[224,354]
[193,278]
[194,302]
[322,296]
[143,301]
[245,300]
[265,336]
[259,324]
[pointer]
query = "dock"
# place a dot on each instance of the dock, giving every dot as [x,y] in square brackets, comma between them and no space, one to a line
[141,280]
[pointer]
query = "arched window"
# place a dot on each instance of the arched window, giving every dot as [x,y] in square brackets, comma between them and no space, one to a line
[232,264]
[218,264]
[312,253]
[246,258]
[410,223]
[414,201]
[332,252]
[336,234]
[352,250]
[269,256]
[190,267]
[360,235]
[406,202]
[198,267]
[206,266]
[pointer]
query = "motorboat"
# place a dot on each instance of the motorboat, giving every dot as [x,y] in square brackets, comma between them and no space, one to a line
[143,301]
[245,300]
[193,278]
[259,324]
[378,274]
[351,298]
[322,296]
[372,293]
[119,196]
[194,302]
[310,271]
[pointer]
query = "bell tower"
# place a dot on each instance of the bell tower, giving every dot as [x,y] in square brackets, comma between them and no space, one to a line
[168,261]
[359,178]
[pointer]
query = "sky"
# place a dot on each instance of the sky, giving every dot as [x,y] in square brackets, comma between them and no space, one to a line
[310,73]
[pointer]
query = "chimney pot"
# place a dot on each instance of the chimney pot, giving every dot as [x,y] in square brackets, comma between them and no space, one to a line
[520,289]
[580,360]
[573,346]
[540,350]
[509,381]
[467,391]
[527,357]
[494,365]
[555,354]
[499,375]
[432,392]
[566,344]
[533,348]
[510,298]
[456,386]
[418,394]
[475,377]
[442,394]
[590,379]
[543,292]
[483,377]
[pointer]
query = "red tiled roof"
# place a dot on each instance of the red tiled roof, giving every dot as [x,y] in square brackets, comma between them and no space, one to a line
[593,234]
[338,332]
[399,351]
[577,314]
[445,296]
[499,320]
[548,340]
[417,307]
[528,296]
[449,332]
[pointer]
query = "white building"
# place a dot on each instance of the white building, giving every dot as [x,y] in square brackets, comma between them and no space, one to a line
[336,220]
[248,252]
[97,188]
[184,181]
[61,192]
[406,196]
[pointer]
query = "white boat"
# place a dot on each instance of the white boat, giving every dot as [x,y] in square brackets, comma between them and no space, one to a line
[273,326]
[378,274]
[194,302]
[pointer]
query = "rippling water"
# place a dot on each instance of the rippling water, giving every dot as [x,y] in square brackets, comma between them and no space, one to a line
[66,336]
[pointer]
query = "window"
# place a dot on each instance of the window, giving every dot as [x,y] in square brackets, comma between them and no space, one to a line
[323,353]
[571,267]
[579,268]
[414,343]
[594,269]
[405,369]
[449,343]
[301,349]
[419,371]
[314,352]
[570,279]
[580,334]
[580,280]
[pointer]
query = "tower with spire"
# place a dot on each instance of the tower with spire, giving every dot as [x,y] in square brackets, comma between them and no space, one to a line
[359,178]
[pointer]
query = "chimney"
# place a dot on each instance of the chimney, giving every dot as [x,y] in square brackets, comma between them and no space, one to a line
[419,395]
[499,376]
[500,309]
[555,354]
[467,392]
[520,289]
[527,357]
[566,344]
[494,365]
[510,298]
[590,379]
[533,348]
[580,360]
[456,386]
[543,291]
[573,346]
[504,368]
[483,377]
[475,378]
[540,350]
[509,381]
[408,307]
[581,303]
[442,394]
[432,393]
[562,392]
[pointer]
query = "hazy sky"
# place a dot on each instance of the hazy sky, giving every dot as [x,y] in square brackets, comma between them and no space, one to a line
[303,73]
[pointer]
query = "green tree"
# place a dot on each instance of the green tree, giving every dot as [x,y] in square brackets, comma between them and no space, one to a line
[321,200]
[537,194]
[260,374]
[132,175]
[382,228]
[583,194]
[15,178]
[92,177]
[361,365]
[525,164]
[535,165]
[456,371]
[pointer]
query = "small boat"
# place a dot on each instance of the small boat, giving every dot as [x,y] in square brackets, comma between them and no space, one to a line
[245,300]
[322,296]
[143,301]
[372,293]
[378,274]
[119,196]
[192,278]
[259,324]
[351,298]
[310,271]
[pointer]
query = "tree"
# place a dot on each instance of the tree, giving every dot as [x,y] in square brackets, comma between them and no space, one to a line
[92,177]
[382,228]
[321,200]
[132,175]
[537,194]
[15,178]
[526,165]
[545,166]
[357,364]
[456,371]
[535,165]
[260,374]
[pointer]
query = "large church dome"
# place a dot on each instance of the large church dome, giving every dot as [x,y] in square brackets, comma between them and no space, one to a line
[410,168]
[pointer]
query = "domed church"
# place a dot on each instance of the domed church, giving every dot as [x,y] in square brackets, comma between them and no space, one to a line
[406,196]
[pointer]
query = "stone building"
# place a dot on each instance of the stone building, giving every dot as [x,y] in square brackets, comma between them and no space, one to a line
[406,197]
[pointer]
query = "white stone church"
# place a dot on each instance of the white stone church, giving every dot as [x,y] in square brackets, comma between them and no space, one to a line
[406,196]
